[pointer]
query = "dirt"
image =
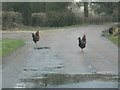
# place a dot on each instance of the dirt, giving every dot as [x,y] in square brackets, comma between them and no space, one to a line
[58,54]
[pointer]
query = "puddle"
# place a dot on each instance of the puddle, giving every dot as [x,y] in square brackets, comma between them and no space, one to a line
[42,48]
[47,80]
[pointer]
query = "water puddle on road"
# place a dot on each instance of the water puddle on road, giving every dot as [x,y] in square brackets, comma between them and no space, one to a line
[48,80]
[42,48]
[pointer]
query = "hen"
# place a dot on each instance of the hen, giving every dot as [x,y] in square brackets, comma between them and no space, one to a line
[36,37]
[82,42]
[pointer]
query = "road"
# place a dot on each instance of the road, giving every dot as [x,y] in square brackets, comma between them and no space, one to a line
[30,67]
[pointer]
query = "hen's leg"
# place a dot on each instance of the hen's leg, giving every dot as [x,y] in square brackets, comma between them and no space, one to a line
[36,45]
[82,50]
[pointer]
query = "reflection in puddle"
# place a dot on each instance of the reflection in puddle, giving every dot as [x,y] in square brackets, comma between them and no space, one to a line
[46,80]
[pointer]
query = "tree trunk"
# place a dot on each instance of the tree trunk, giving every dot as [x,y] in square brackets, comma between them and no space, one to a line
[86,9]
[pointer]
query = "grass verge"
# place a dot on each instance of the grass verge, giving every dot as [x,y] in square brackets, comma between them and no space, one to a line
[9,45]
[28,28]
[46,28]
[113,38]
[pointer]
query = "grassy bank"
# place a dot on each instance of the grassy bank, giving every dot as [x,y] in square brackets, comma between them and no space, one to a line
[113,38]
[27,28]
[46,28]
[9,45]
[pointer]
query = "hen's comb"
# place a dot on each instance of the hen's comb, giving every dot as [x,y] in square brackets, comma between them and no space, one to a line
[37,31]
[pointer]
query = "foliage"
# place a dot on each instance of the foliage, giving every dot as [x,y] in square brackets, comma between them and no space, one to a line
[60,19]
[56,6]
[114,37]
[39,19]
[105,8]
[59,14]
[97,20]
[85,4]
[11,19]
[27,8]
[118,11]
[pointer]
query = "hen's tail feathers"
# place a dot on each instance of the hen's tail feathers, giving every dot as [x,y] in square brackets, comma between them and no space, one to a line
[84,38]
[33,35]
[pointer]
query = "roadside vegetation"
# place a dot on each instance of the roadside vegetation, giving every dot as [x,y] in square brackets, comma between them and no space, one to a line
[114,39]
[54,15]
[9,45]
[45,28]
[113,34]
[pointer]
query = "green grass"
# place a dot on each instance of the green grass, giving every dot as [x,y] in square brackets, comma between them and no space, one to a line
[115,26]
[27,28]
[48,28]
[113,38]
[9,45]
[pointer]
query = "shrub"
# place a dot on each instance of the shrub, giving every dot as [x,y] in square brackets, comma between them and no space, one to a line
[11,19]
[93,20]
[39,19]
[53,19]
[60,19]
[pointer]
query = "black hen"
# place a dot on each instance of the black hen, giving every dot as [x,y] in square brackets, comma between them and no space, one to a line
[36,37]
[111,30]
[82,42]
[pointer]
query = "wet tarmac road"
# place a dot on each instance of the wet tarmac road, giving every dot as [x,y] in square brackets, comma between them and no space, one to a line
[59,54]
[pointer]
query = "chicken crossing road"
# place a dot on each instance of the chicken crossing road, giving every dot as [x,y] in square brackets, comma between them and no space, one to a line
[62,56]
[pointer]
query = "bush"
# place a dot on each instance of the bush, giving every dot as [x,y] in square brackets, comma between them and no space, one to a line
[60,19]
[39,19]
[51,19]
[96,20]
[11,19]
